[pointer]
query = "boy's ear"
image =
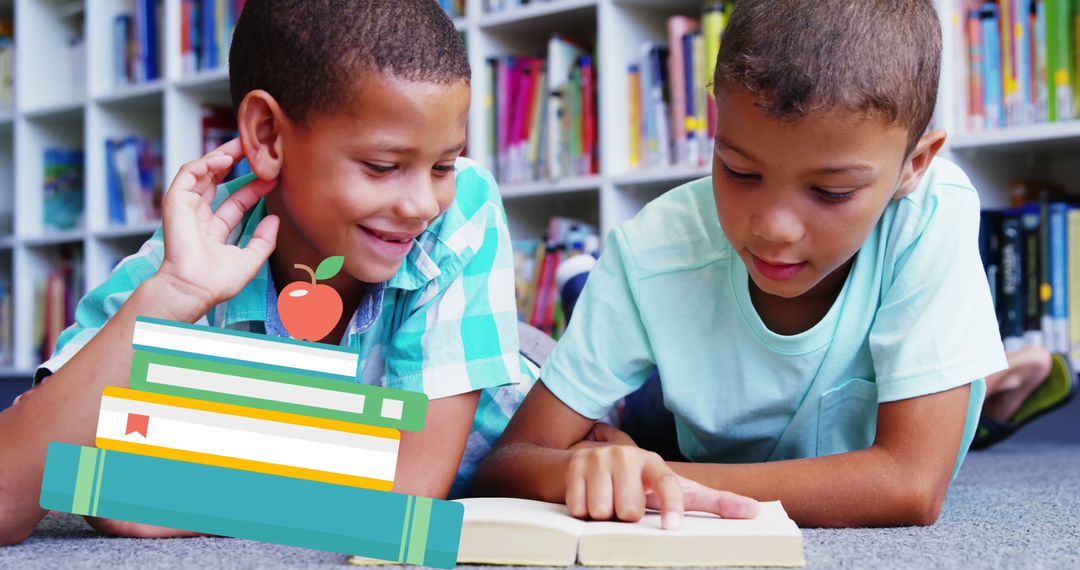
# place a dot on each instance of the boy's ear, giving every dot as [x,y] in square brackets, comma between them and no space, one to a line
[916,164]
[260,121]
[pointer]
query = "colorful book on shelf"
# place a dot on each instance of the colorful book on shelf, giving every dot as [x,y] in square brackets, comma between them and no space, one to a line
[250,439]
[536,263]
[1011,300]
[1061,42]
[1020,63]
[206,28]
[993,81]
[714,20]
[974,111]
[270,388]
[1056,319]
[562,57]
[134,179]
[245,504]
[681,106]
[1073,283]
[62,193]
[634,105]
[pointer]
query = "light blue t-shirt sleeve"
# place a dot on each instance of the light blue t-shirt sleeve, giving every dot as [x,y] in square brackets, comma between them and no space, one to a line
[605,353]
[936,328]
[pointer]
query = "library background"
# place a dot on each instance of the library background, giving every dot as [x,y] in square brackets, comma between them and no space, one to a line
[584,109]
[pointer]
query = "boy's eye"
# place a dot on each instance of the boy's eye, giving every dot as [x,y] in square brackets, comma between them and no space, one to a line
[444,168]
[832,196]
[740,176]
[379,168]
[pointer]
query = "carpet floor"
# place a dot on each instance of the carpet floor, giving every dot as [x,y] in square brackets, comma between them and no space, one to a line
[1015,506]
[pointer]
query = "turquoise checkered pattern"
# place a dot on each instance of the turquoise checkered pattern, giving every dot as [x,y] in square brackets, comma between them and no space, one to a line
[446,323]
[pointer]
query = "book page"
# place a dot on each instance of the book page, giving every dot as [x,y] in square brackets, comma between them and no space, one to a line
[771,539]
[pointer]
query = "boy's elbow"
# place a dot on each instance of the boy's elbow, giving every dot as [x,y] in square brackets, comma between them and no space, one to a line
[919,503]
[10,531]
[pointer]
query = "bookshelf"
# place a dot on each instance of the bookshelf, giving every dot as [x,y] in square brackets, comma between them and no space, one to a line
[76,103]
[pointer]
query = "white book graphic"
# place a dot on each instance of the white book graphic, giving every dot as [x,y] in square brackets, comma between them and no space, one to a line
[245,438]
[222,343]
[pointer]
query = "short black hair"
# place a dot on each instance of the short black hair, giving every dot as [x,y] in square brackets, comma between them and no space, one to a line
[308,54]
[800,56]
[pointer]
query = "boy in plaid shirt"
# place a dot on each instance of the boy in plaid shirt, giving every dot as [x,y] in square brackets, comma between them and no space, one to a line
[353,129]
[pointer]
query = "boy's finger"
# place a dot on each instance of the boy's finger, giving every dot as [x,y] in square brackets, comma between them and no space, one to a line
[263,241]
[575,490]
[196,176]
[232,210]
[723,503]
[629,493]
[598,491]
[232,148]
[667,493]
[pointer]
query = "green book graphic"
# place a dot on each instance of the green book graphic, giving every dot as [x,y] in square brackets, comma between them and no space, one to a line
[242,504]
[270,388]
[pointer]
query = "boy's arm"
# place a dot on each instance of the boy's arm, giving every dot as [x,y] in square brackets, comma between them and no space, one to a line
[899,480]
[532,455]
[541,456]
[66,407]
[199,270]
[445,433]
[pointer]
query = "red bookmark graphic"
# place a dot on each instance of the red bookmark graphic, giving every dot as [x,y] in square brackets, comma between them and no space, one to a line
[137,424]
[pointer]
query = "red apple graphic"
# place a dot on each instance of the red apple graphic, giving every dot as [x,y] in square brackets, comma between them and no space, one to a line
[309,311]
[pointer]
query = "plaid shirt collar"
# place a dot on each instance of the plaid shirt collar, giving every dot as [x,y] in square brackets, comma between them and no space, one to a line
[254,302]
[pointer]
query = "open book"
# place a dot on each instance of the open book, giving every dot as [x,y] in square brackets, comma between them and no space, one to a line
[534,533]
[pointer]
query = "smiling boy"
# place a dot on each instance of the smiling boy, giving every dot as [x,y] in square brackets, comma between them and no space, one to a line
[352,116]
[817,309]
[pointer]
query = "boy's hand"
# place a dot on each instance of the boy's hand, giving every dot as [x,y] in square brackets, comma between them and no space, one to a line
[622,480]
[198,264]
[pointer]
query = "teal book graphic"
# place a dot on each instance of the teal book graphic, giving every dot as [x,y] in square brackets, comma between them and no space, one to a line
[312,394]
[242,504]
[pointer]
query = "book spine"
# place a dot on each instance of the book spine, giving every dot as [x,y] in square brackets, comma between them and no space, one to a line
[634,126]
[242,504]
[1011,308]
[1062,70]
[973,32]
[277,390]
[992,72]
[1031,222]
[1073,301]
[1057,237]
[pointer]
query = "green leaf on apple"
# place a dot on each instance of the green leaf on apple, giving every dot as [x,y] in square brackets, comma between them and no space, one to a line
[329,267]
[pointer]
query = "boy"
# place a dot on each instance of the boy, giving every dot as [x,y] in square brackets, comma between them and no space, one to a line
[352,115]
[817,310]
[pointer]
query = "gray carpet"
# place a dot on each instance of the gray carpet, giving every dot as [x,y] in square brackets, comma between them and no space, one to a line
[1016,506]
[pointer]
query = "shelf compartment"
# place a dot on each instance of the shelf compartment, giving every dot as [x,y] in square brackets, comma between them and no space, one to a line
[544,187]
[531,16]
[1025,138]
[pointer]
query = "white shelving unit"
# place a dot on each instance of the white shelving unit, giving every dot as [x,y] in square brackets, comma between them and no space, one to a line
[50,111]
[55,108]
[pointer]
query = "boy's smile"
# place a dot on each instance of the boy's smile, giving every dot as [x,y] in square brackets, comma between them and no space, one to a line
[797,198]
[364,180]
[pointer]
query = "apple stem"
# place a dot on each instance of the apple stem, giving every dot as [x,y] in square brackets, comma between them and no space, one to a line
[308,269]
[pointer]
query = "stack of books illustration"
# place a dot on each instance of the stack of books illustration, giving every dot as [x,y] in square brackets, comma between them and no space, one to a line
[250,436]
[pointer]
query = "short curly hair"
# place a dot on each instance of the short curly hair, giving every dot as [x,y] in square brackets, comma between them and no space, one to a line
[800,56]
[308,53]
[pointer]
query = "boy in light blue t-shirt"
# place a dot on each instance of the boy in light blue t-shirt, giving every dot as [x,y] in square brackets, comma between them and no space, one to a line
[817,309]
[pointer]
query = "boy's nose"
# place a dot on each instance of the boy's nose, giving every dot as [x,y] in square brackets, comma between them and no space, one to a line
[418,201]
[777,225]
